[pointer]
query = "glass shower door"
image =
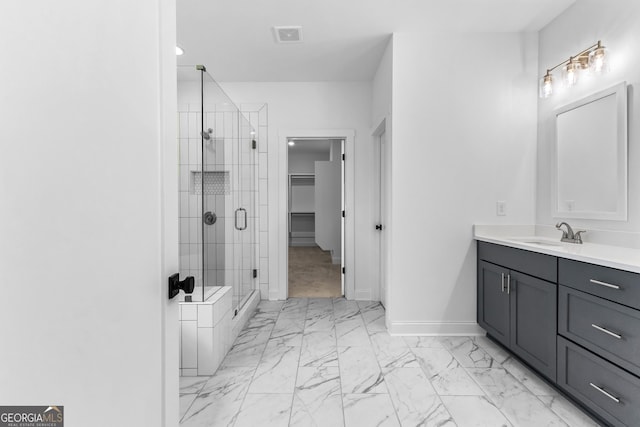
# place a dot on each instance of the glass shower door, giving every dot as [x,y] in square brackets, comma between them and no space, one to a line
[229,192]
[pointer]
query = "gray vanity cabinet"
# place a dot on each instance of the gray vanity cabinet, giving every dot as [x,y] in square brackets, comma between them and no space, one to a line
[533,322]
[493,301]
[516,308]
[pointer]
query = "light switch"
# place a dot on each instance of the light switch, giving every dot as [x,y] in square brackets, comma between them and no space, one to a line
[501,208]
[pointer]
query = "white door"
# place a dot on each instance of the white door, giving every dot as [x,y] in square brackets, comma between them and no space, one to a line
[382,215]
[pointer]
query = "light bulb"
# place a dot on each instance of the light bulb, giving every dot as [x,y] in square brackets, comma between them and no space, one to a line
[292,143]
[570,72]
[598,60]
[179,51]
[546,86]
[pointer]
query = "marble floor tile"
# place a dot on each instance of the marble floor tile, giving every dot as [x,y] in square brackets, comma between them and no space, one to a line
[330,362]
[570,413]
[186,400]
[445,373]
[189,389]
[219,401]
[319,349]
[269,306]
[415,399]
[498,353]
[530,380]
[371,311]
[276,372]
[317,399]
[359,371]
[467,352]
[352,332]
[346,310]
[519,405]
[474,411]
[192,385]
[284,337]
[323,304]
[362,410]
[248,356]
[392,351]
[423,342]
[319,320]
[265,410]
[287,324]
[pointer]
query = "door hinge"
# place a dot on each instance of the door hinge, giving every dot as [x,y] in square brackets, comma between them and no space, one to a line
[343,269]
[254,144]
[255,273]
[342,214]
[343,157]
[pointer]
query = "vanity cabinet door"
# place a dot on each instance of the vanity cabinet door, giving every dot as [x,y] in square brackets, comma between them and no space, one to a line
[533,321]
[493,301]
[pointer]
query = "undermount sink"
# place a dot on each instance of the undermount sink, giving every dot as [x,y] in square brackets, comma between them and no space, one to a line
[537,241]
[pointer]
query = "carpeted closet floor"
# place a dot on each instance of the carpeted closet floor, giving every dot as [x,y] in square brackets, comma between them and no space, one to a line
[311,273]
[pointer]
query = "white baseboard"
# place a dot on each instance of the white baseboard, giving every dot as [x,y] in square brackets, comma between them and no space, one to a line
[435,328]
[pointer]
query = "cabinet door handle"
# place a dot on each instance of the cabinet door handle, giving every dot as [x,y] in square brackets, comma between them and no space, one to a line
[603,391]
[608,285]
[502,281]
[508,283]
[606,331]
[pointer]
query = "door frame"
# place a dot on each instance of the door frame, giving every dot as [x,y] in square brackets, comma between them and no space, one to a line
[168,178]
[348,135]
[384,126]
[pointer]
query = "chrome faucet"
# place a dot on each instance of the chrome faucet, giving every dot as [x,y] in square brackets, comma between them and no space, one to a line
[570,236]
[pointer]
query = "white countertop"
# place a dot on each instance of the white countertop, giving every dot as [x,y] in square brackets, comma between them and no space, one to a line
[524,237]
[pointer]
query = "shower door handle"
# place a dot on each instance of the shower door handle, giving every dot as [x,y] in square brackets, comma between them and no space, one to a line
[241,212]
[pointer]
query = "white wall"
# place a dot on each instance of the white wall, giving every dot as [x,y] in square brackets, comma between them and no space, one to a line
[583,24]
[464,123]
[381,86]
[304,161]
[318,105]
[84,207]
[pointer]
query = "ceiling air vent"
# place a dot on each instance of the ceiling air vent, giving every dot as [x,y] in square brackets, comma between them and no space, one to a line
[290,34]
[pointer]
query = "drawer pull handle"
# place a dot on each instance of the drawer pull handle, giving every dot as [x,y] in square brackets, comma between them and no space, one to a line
[609,395]
[606,331]
[508,284]
[502,281]
[608,285]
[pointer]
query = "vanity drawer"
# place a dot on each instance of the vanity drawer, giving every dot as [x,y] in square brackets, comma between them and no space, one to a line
[612,393]
[532,263]
[610,283]
[608,329]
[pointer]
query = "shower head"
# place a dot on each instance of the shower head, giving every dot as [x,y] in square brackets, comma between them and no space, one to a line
[207,134]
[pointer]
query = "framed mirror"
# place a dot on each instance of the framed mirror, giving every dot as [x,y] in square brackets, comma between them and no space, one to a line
[589,174]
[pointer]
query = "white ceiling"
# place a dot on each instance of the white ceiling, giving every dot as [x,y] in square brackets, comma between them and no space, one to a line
[343,39]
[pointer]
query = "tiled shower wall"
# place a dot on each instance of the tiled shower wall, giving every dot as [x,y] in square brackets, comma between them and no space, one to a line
[218,167]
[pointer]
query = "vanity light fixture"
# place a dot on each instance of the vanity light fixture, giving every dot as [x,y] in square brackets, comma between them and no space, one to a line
[592,60]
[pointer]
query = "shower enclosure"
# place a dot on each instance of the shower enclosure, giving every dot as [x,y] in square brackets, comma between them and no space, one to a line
[218,181]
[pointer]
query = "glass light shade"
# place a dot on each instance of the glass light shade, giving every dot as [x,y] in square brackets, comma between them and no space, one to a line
[179,51]
[570,73]
[546,86]
[598,63]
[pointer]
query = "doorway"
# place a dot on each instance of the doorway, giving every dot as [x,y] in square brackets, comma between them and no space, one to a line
[315,232]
